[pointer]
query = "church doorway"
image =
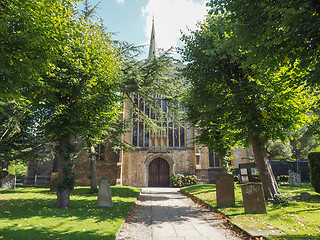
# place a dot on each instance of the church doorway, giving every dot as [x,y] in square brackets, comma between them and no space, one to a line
[159,173]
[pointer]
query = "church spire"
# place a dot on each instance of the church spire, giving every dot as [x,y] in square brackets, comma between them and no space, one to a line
[152,47]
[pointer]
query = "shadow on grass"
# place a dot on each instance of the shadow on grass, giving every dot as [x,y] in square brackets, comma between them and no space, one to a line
[31,214]
[47,233]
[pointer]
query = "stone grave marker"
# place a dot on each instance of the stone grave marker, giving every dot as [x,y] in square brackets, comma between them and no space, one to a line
[253,197]
[305,196]
[3,174]
[9,182]
[295,179]
[225,190]
[104,193]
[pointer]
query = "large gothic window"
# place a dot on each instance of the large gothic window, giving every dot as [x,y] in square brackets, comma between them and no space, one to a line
[169,135]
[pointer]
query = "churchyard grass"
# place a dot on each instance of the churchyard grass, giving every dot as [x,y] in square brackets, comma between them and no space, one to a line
[298,220]
[29,213]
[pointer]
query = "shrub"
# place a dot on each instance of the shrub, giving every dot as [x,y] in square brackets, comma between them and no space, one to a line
[189,180]
[179,180]
[176,180]
[314,164]
[279,199]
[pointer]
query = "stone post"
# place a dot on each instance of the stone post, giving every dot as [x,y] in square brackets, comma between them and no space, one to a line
[225,190]
[253,197]
[294,179]
[104,193]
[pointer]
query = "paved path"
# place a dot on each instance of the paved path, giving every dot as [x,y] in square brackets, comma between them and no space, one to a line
[166,214]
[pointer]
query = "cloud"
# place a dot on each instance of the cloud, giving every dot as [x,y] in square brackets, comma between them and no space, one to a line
[171,17]
[120,1]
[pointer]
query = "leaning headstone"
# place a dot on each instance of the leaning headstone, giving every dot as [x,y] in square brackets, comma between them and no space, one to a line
[305,196]
[295,179]
[225,190]
[253,197]
[104,193]
[9,182]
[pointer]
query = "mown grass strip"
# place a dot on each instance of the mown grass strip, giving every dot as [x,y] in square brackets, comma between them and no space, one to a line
[299,220]
[29,213]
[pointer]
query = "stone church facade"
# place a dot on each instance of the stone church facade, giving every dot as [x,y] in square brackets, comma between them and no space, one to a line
[159,154]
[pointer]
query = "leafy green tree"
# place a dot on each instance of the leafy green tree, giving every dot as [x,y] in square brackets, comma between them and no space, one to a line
[79,97]
[274,33]
[29,39]
[235,102]
[20,141]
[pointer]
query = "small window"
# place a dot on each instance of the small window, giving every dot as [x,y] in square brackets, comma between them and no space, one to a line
[100,149]
[213,159]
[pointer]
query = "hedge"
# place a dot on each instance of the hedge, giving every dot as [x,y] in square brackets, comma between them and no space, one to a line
[314,164]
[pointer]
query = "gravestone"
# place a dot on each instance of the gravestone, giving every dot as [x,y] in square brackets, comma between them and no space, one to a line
[305,196]
[294,179]
[225,190]
[253,198]
[9,182]
[104,193]
[3,174]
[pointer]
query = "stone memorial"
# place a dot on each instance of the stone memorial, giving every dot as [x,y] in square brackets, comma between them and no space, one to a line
[305,196]
[3,174]
[9,182]
[225,190]
[253,198]
[104,193]
[294,179]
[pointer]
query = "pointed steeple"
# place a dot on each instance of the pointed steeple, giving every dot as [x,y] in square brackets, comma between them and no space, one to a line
[152,47]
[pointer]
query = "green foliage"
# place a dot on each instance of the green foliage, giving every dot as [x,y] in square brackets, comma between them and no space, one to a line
[20,140]
[179,180]
[314,164]
[282,200]
[273,34]
[30,36]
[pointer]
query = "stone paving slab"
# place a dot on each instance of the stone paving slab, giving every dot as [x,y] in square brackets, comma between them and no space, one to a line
[165,214]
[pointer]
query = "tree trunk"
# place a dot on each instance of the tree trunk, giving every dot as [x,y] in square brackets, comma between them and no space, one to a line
[63,199]
[270,186]
[93,170]
[65,175]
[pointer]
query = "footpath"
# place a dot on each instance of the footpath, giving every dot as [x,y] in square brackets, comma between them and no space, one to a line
[166,214]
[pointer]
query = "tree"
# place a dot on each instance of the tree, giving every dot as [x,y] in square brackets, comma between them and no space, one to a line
[29,39]
[19,138]
[275,33]
[79,97]
[246,105]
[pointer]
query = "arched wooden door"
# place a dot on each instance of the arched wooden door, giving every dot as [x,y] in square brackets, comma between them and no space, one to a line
[159,173]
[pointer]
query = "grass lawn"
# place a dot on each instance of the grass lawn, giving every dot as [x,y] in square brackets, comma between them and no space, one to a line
[29,213]
[299,220]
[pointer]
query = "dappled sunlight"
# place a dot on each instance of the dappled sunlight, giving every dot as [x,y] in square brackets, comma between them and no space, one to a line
[31,211]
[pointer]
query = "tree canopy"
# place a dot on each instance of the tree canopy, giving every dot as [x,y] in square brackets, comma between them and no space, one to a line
[30,33]
[236,102]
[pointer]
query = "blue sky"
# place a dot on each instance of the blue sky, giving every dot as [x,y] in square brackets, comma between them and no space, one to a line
[131,19]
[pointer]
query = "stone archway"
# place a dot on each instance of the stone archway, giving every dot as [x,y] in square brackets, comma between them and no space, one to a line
[158,170]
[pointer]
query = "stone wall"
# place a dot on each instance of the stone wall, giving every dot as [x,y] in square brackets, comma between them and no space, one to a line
[135,164]
[107,168]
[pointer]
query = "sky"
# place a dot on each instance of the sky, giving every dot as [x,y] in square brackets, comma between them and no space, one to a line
[131,20]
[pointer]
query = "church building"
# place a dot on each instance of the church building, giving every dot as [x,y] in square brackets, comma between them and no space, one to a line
[159,155]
